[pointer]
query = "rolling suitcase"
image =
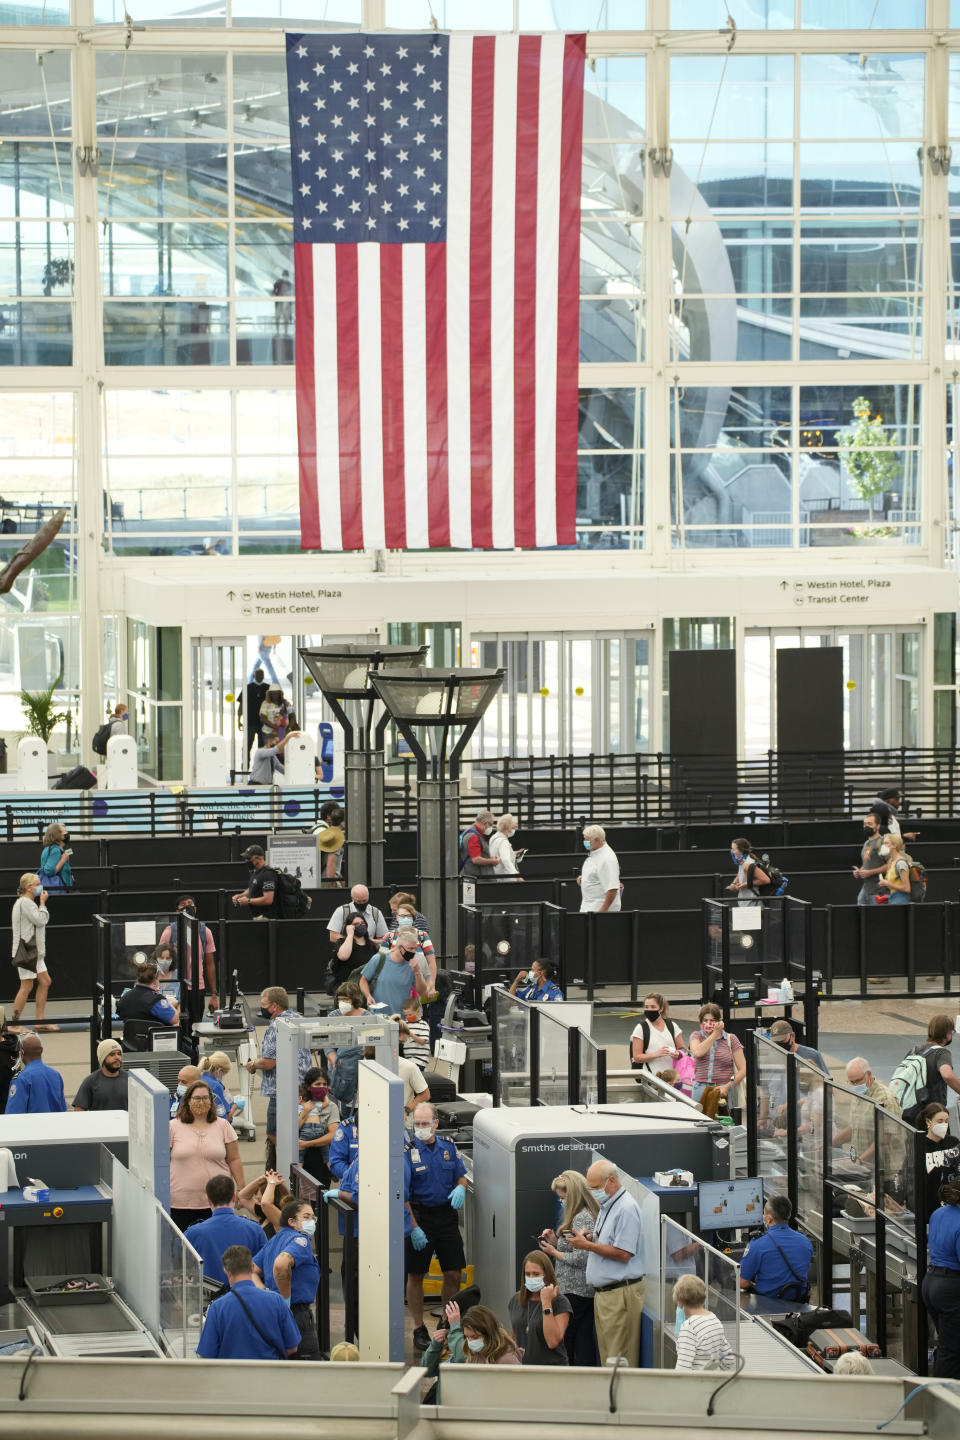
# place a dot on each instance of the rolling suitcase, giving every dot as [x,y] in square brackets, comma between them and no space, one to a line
[825,1345]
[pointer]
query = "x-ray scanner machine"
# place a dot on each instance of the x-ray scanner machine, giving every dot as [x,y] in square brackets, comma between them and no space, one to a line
[517,1151]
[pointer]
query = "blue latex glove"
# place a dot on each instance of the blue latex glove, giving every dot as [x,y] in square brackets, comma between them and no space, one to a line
[287,1300]
[418,1239]
[329,1195]
[457,1196]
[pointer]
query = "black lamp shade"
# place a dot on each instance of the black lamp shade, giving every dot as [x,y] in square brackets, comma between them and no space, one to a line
[435,696]
[342,670]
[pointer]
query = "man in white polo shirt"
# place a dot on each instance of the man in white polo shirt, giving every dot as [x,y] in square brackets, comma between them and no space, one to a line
[599,880]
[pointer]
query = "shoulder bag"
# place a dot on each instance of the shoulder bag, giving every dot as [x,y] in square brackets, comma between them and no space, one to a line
[26,956]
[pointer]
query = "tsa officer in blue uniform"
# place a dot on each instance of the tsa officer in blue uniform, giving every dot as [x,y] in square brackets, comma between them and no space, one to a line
[343,1147]
[248,1323]
[435,1178]
[38,1089]
[288,1265]
[941,1284]
[539,986]
[779,1261]
[224,1228]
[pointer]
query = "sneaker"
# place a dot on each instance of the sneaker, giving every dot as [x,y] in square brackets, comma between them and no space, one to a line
[420,1338]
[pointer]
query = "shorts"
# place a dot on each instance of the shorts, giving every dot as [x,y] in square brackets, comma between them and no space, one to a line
[29,974]
[440,1225]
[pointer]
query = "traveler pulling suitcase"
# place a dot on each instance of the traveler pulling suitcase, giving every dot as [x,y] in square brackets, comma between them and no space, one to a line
[829,1345]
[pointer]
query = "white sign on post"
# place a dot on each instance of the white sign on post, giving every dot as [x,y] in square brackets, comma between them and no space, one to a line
[296,855]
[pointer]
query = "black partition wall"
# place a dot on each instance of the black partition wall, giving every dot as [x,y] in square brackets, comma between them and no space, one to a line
[702,689]
[810,723]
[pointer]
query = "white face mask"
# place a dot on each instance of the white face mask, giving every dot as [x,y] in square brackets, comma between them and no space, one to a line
[940,1129]
[488,829]
[534,1282]
[344,1006]
[510,834]
[423,1132]
[476,1344]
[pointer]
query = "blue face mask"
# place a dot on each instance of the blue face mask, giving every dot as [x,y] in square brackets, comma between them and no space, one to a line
[735,857]
[586,844]
[680,1318]
[476,1344]
[534,1282]
[308,1227]
[859,1089]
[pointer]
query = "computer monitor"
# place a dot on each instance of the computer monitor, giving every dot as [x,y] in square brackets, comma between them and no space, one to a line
[730,1204]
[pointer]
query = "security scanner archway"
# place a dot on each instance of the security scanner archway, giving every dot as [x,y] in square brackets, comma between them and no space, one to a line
[505,936]
[750,952]
[322,1034]
[125,941]
[517,1151]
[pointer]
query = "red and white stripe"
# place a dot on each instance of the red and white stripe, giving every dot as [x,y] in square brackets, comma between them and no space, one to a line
[437,383]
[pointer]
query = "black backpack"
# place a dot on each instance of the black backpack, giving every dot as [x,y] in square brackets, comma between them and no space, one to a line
[799,1327]
[291,902]
[101,738]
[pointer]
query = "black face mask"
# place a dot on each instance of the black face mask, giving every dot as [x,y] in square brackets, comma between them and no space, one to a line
[66,839]
[359,932]
[783,1044]
[188,909]
[651,1014]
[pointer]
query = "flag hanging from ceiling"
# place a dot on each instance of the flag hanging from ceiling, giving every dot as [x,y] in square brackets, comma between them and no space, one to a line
[436,189]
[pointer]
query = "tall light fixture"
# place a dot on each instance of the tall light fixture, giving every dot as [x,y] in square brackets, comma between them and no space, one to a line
[429,705]
[342,675]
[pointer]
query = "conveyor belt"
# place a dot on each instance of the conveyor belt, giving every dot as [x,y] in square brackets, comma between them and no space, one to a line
[87,1329]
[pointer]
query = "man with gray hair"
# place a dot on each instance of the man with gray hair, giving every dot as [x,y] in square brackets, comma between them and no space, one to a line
[599,880]
[859,1133]
[615,1264]
[389,979]
[359,909]
[476,862]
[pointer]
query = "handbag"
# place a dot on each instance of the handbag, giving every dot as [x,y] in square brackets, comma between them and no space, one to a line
[26,956]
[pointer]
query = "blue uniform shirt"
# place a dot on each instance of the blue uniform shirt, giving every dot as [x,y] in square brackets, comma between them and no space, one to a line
[548,991]
[767,1268]
[618,1223]
[219,1097]
[229,1334]
[431,1171]
[350,1181]
[306,1271]
[37,1090]
[224,1228]
[945,1237]
[343,1148]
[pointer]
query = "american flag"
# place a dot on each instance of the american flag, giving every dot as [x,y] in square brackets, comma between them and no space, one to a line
[437,239]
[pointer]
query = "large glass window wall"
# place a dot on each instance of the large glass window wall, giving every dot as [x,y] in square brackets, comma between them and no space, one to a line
[781,194]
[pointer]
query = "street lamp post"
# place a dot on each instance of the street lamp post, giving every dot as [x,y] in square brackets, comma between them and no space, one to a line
[428,705]
[342,674]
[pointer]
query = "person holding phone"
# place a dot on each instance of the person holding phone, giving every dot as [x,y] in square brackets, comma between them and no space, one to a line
[719,1057]
[55,869]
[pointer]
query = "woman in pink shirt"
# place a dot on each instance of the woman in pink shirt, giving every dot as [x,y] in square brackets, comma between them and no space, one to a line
[201,1146]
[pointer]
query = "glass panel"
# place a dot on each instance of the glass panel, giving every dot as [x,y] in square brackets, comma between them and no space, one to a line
[771,1069]
[872,97]
[582,14]
[23,110]
[944,648]
[35,258]
[863,14]
[512,1022]
[36,333]
[615,101]
[139,333]
[860,176]
[160,95]
[852,255]
[728,176]
[262,182]
[747,14]
[264,263]
[755,97]
[172,12]
[266,422]
[294,12]
[171,259]
[30,185]
[553,1060]
[811,1082]
[163,181]
[447,14]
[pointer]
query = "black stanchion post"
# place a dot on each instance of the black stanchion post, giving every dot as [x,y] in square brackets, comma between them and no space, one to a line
[634,956]
[911,950]
[533,1052]
[591,953]
[351,1274]
[601,1077]
[753,1066]
[494,1048]
[880,1240]
[862,947]
[826,1199]
[793,1170]
[272,952]
[573,1066]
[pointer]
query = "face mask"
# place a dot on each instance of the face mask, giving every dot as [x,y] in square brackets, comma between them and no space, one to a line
[308,1227]
[940,1129]
[681,1317]
[782,1044]
[651,1014]
[534,1282]
[359,932]
[344,1006]
[66,840]
[735,857]
[599,1195]
[510,834]
[586,844]
[181,1090]
[405,919]
[423,1132]
[859,1089]
[488,829]
[319,1092]
[475,1345]
[706,1026]
[188,909]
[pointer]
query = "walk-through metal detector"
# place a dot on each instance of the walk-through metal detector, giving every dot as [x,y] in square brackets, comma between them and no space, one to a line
[324,1033]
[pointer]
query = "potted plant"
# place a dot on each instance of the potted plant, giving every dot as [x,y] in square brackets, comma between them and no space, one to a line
[41,716]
